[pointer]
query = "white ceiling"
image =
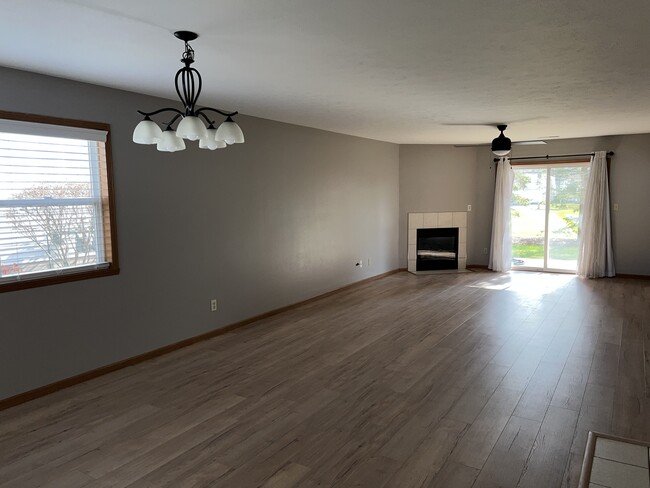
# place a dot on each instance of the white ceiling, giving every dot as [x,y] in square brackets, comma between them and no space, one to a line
[402,71]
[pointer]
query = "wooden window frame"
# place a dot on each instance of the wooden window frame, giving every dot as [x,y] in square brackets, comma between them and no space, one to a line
[108,206]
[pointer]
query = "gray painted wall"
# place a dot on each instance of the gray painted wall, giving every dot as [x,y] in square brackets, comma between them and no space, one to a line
[258,226]
[433,178]
[438,178]
[279,219]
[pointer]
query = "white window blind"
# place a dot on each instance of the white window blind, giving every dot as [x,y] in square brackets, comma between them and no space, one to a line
[50,200]
[50,130]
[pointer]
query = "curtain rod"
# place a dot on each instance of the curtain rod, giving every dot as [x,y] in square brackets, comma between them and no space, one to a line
[610,153]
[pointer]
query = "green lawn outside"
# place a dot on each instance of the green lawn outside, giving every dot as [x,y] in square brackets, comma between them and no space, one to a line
[527,251]
[531,251]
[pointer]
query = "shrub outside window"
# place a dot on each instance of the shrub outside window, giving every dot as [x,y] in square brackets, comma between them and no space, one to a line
[57,221]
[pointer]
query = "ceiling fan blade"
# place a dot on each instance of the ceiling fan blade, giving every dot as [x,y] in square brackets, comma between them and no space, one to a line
[514,143]
[491,124]
[469,124]
[528,143]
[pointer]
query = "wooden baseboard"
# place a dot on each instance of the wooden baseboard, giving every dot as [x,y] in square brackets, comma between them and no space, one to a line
[88,375]
[618,275]
[632,276]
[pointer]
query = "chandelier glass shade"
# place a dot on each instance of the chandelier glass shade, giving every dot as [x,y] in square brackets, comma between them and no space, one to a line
[210,140]
[191,121]
[147,132]
[170,142]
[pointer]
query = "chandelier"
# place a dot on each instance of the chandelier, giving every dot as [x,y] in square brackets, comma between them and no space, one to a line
[191,125]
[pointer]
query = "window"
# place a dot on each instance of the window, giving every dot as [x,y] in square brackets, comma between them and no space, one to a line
[57,219]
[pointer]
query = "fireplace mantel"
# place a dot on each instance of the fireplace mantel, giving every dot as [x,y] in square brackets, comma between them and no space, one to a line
[426,220]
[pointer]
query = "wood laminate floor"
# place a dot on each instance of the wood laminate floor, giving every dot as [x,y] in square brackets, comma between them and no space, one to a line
[459,380]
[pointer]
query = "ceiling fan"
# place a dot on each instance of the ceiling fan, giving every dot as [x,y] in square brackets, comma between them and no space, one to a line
[502,145]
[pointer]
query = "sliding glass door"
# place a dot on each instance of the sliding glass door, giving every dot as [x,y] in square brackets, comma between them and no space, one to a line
[546,205]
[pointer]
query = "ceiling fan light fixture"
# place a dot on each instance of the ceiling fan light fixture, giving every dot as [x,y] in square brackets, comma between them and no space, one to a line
[502,145]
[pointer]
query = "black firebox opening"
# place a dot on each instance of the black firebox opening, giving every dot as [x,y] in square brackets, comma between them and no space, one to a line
[437,249]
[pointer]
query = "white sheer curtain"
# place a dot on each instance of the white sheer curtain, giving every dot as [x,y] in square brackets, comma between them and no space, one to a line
[595,255]
[501,248]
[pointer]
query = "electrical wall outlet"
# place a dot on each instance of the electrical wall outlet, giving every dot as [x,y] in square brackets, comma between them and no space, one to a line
[369,262]
[616,207]
[469,208]
[213,305]
[485,250]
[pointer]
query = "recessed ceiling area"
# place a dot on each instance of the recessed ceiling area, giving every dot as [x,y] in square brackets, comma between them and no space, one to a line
[401,71]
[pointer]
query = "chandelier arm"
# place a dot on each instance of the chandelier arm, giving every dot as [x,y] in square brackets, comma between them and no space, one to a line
[195,96]
[189,90]
[181,73]
[205,117]
[189,87]
[179,114]
[156,112]
[225,114]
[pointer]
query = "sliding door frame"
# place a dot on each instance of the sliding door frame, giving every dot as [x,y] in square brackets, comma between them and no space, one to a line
[547,165]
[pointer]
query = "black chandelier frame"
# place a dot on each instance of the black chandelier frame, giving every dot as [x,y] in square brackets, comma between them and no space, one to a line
[189,90]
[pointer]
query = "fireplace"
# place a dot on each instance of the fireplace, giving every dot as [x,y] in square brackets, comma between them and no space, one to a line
[437,248]
[428,221]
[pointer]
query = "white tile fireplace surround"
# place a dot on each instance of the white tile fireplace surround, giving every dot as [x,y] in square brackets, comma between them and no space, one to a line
[428,220]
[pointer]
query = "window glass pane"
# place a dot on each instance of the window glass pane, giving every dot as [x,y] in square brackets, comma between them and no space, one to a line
[50,204]
[565,201]
[528,217]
